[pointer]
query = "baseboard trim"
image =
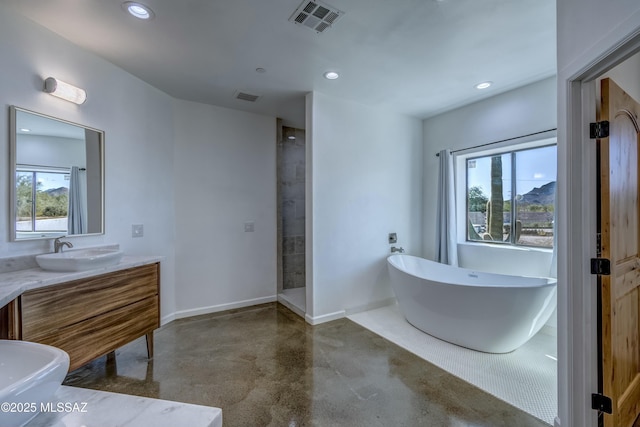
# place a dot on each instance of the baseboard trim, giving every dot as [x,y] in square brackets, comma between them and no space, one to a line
[291,306]
[167,319]
[312,320]
[371,306]
[316,320]
[181,314]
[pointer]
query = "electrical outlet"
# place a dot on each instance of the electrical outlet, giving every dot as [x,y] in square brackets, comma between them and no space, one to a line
[137,230]
[249,227]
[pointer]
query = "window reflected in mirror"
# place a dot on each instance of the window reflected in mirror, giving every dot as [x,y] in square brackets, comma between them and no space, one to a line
[57,177]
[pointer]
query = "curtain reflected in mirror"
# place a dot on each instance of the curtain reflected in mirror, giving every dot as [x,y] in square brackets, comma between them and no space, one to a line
[57,177]
[77,213]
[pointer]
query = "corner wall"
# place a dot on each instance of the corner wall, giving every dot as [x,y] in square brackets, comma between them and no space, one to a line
[225,176]
[365,181]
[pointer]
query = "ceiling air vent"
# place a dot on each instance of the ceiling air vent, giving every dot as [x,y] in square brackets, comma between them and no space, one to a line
[246,96]
[316,15]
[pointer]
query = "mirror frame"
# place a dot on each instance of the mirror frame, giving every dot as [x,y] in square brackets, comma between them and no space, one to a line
[13,112]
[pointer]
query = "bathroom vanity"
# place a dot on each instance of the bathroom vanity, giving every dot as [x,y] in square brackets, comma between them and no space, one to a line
[88,314]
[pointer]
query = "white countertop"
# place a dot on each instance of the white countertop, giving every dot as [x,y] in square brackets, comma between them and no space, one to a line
[14,283]
[78,407]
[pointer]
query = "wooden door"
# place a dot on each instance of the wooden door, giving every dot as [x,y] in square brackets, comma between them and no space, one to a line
[620,243]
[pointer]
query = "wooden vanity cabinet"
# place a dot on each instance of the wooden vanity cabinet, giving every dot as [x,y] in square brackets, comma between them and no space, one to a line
[94,316]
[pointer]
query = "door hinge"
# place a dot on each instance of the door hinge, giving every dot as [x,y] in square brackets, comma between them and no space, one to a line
[601,403]
[601,266]
[599,130]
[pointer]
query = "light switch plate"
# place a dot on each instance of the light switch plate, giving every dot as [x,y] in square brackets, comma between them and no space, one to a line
[137,230]
[249,227]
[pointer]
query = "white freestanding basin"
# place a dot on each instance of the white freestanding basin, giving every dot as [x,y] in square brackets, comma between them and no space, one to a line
[80,259]
[30,374]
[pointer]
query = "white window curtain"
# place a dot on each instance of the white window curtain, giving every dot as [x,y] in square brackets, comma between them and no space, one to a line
[446,236]
[77,221]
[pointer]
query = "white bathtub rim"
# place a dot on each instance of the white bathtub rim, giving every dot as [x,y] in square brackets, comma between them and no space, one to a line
[550,281]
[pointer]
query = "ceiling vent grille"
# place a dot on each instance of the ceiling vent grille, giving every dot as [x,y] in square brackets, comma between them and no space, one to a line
[316,15]
[244,96]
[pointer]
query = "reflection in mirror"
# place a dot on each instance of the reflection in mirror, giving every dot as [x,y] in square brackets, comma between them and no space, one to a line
[57,177]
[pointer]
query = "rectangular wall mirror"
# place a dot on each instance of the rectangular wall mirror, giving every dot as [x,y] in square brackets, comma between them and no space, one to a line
[57,177]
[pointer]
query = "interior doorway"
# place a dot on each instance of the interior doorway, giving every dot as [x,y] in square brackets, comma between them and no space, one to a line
[291,171]
[579,329]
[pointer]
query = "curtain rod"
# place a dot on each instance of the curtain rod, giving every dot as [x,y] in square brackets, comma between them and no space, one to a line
[502,140]
[53,168]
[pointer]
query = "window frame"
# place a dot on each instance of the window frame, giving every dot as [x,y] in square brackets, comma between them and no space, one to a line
[462,200]
[34,170]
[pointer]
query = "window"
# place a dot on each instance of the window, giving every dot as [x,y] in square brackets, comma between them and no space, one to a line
[42,199]
[511,197]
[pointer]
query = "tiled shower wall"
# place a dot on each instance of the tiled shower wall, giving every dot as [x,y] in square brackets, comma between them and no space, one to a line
[291,175]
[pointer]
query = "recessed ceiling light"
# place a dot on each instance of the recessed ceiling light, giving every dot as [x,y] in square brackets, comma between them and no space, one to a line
[138,10]
[260,70]
[331,75]
[483,85]
[291,137]
[25,130]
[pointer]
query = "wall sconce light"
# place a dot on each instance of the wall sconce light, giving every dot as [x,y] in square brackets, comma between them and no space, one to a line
[65,91]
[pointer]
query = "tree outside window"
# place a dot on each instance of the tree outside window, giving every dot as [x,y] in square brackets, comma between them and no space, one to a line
[42,200]
[511,197]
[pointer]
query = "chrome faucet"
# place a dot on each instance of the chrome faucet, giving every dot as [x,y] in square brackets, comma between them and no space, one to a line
[399,250]
[58,244]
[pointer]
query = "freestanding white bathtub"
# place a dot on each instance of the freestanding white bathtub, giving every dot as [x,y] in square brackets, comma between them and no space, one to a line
[487,312]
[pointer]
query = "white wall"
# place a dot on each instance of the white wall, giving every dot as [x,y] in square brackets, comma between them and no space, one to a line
[166,161]
[137,120]
[50,151]
[519,112]
[365,181]
[587,28]
[225,175]
[626,75]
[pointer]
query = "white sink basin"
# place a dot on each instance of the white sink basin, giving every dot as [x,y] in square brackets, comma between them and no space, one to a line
[30,374]
[80,259]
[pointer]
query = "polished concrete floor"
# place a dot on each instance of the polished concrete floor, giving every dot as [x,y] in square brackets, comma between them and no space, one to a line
[264,366]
